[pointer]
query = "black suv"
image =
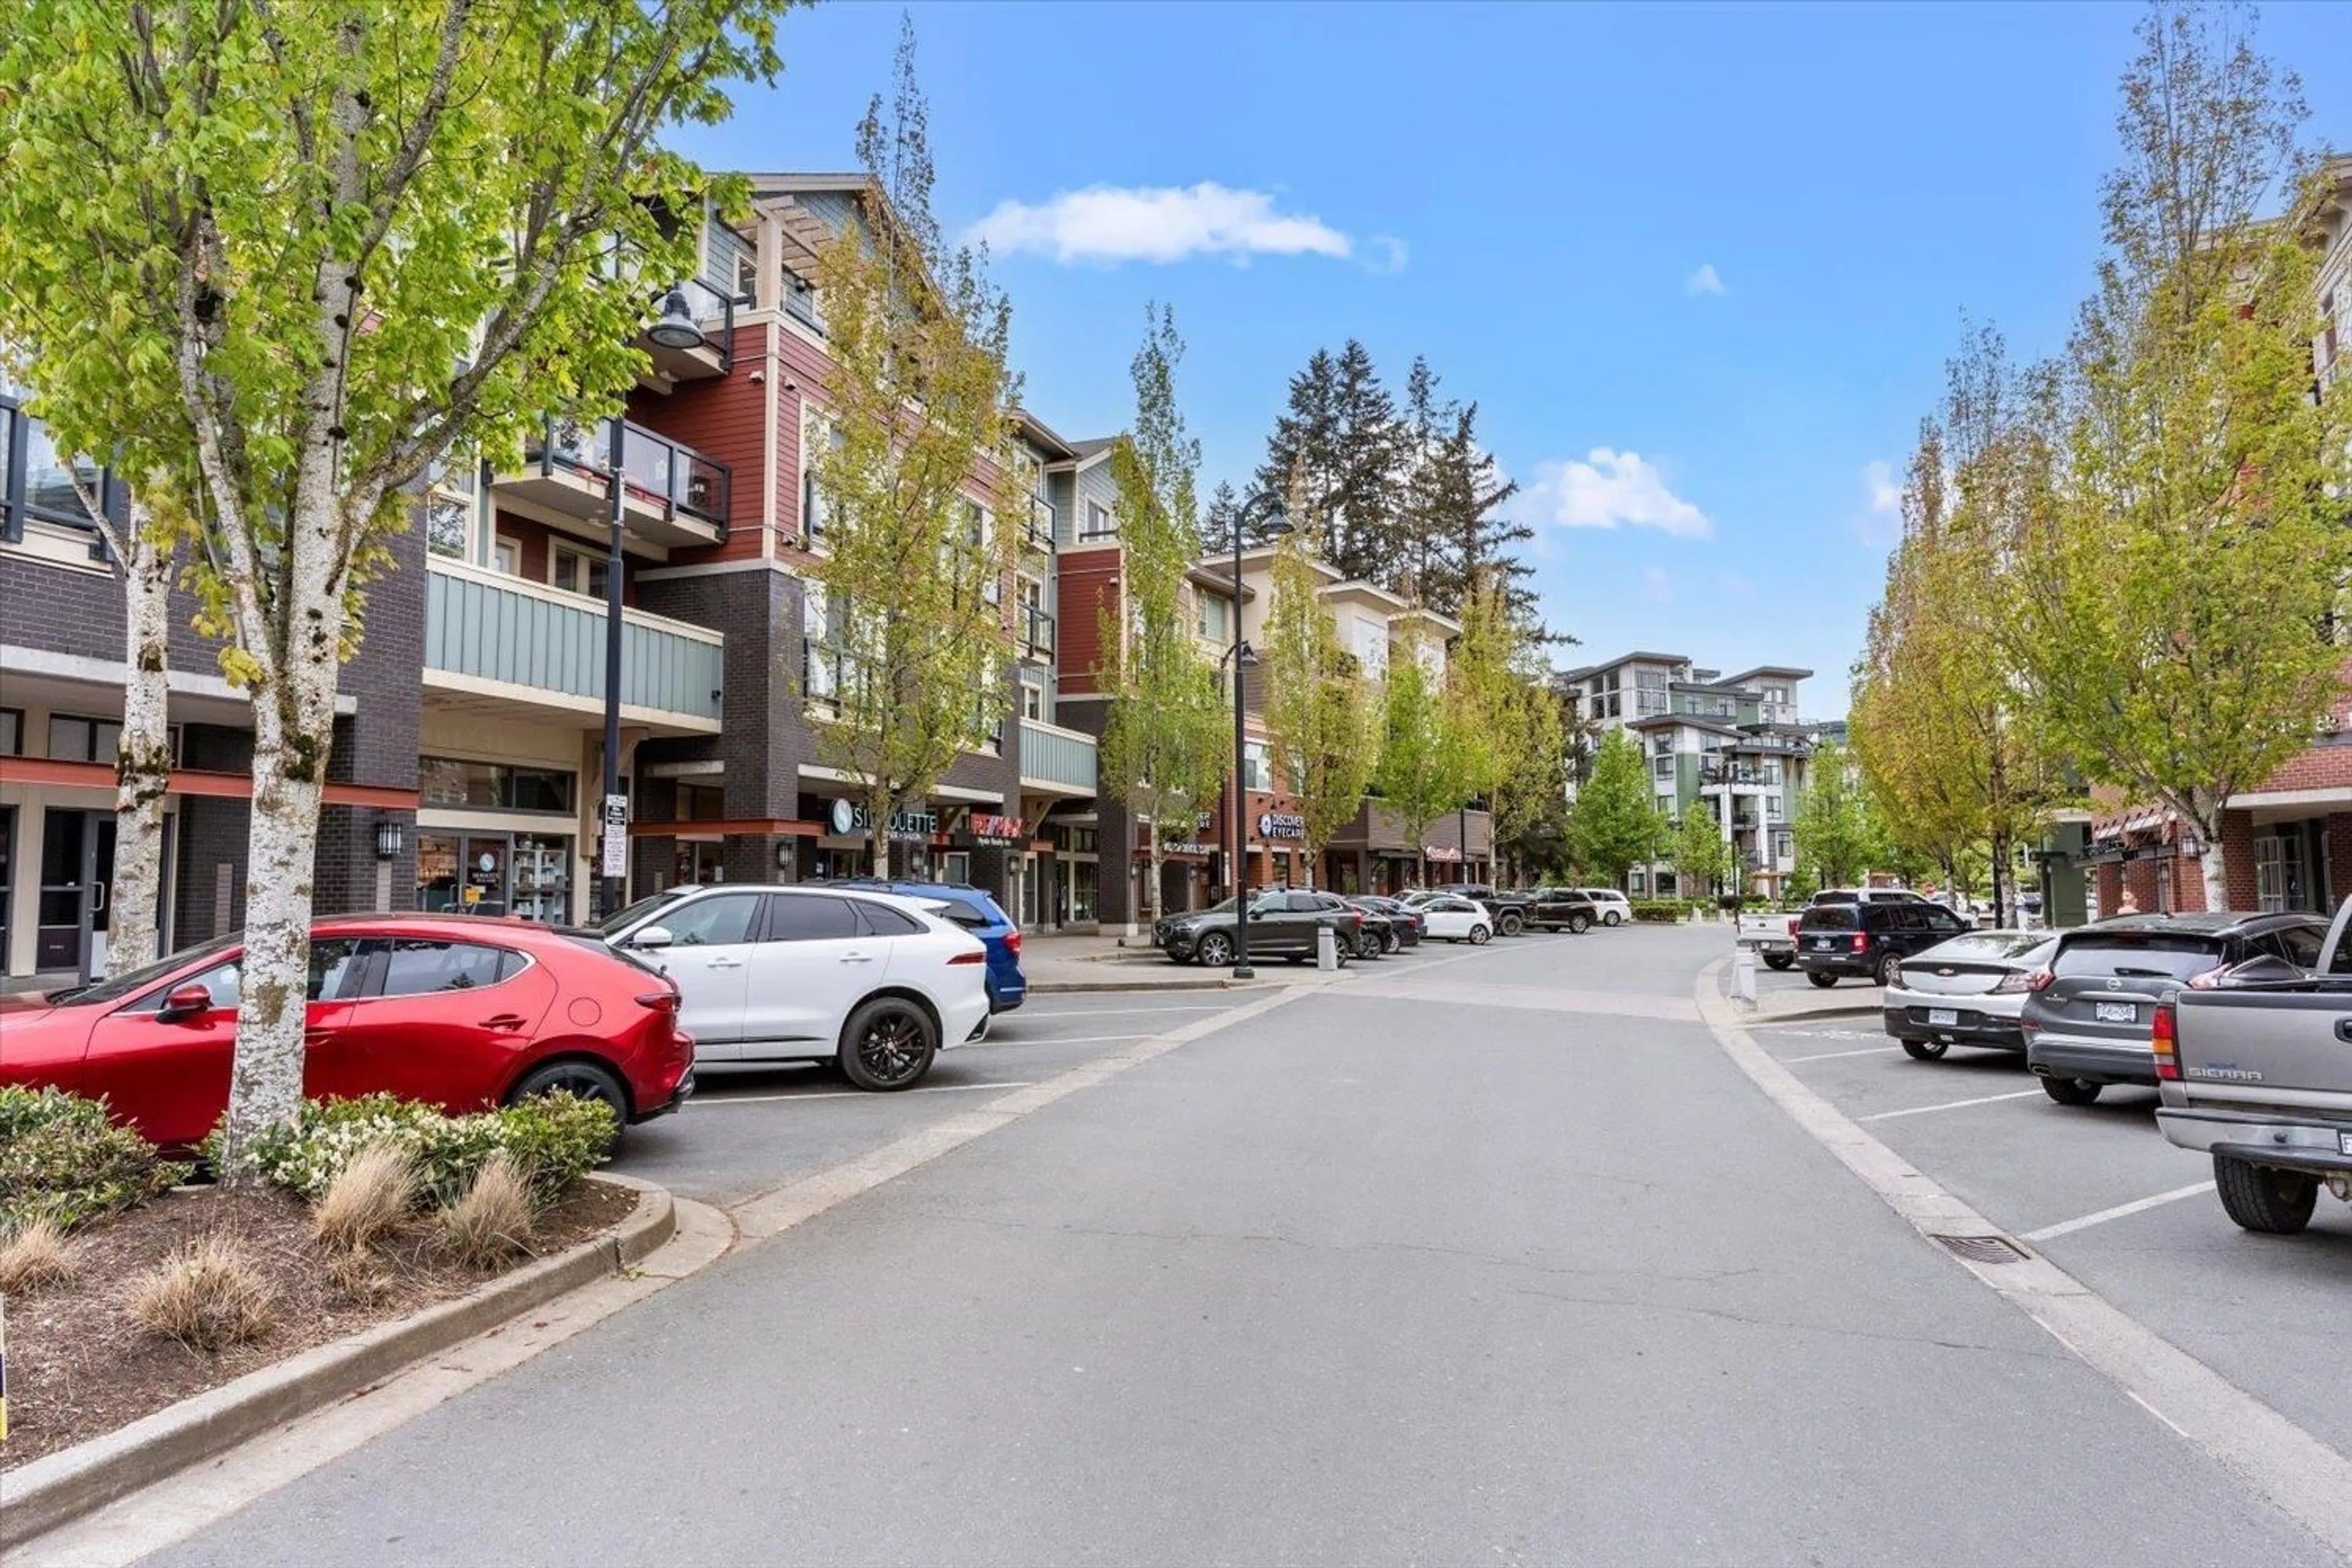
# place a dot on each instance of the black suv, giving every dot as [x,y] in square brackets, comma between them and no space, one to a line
[1549,909]
[2087,1017]
[1869,940]
[1282,924]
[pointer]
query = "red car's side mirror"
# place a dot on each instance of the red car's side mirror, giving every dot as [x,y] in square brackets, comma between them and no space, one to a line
[185,1003]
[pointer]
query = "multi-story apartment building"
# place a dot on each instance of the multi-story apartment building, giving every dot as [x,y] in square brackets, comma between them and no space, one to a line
[1732,746]
[469,754]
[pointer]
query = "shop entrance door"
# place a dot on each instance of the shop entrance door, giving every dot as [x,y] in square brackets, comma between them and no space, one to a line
[77,871]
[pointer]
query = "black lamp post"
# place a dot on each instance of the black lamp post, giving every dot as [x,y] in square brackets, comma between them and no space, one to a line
[1264,509]
[612,814]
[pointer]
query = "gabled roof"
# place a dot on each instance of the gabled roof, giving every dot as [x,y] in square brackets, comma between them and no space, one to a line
[1092,450]
[1207,575]
[1041,436]
[1357,588]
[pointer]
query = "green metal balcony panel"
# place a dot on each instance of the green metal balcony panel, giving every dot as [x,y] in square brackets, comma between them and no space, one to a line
[493,632]
[1057,757]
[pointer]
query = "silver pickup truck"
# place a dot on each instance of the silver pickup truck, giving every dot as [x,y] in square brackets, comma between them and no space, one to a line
[2257,1071]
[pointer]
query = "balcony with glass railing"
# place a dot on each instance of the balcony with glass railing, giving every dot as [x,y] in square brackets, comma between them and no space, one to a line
[673,496]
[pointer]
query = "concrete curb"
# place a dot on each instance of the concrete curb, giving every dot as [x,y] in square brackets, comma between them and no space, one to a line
[1803,1015]
[63,1486]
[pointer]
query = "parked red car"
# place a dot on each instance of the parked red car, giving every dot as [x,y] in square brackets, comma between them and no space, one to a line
[459,1011]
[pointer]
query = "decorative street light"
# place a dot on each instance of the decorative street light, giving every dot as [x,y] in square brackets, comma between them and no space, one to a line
[1263,509]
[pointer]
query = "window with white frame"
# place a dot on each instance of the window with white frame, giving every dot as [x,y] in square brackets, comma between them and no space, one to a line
[818,435]
[1209,618]
[577,571]
[452,506]
[1257,766]
[1100,522]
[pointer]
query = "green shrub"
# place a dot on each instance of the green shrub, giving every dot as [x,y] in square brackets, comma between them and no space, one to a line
[60,1160]
[1659,912]
[555,1139]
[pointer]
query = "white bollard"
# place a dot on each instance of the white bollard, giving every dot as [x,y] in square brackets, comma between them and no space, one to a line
[1326,949]
[1743,975]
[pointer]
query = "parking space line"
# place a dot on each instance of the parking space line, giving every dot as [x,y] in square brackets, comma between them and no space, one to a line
[1051,1040]
[2121,1211]
[1879,1049]
[854,1093]
[1950,1105]
[1133,1012]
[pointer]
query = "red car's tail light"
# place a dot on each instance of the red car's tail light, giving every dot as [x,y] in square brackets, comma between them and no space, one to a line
[972,955]
[2164,1038]
[1013,942]
[1861,942]
[658,1001]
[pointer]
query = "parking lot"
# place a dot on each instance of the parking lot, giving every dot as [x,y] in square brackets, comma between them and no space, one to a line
[747,1133]
[2100,1191]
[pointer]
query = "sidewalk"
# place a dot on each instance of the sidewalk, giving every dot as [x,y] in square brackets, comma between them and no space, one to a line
[1068,963]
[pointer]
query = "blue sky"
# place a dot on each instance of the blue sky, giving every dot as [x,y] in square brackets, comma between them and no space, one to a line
[1699,265]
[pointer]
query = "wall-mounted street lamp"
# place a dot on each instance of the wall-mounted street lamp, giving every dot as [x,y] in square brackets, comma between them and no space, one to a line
[390,836]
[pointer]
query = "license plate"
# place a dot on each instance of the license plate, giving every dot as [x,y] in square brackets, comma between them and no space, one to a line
[2116,1013]
[2344,1142]
[1945,1017]
[1825,943]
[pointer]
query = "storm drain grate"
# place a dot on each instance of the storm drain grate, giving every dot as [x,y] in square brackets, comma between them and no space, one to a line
[1982,1249]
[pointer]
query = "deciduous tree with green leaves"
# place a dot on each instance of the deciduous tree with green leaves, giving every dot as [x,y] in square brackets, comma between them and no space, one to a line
[1322,715]
[1837,836]
[1615,824]
[1166,742]
[297,253]
[1698,851]
[2178,562]
[912,642]
[1420,773]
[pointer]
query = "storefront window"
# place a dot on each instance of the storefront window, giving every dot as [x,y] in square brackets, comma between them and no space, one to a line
[492,786]
[542,876]
[527,874]
[1083,875]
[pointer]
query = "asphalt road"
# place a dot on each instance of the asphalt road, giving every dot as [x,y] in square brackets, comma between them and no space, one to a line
[1490,1258]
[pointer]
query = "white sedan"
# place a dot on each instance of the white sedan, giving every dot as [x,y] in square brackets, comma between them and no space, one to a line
[1969,991]
[875,983]
[1450,919]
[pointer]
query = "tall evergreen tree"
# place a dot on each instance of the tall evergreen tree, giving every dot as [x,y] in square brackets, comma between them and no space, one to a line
[1217,522]
[1369,466]
[1302,454]
[1465,486]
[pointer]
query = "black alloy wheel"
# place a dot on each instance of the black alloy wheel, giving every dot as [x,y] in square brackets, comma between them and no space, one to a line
[1578,923]
[888,1044]
[580,1080]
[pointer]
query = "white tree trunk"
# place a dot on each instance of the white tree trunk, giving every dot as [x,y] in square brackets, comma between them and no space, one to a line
[293,711]
[2216,872]
[142,766]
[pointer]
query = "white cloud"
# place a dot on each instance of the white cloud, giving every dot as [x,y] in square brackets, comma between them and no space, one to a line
[1881,526]
[1391,254]
[1657,584]
[1614,489]
[1113,224]
[1705,280]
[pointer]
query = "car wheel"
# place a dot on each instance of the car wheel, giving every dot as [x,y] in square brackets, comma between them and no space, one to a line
[1510,923]
[580,1080]
[1579,924]
[1369,945]
[2275,1203]
[1215,951]
[1924,1050]
[1778,961]
[1478,934]
[888,1044]
[1611,917]
[2071,1090]
[1391,943]
[1888,968]
[1818,978]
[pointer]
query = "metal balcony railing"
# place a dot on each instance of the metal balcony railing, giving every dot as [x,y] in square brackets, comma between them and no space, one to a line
[1037,631]
[668,474]
[1039,535]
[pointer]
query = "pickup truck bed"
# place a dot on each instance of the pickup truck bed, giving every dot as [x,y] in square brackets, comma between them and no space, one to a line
[2259,1075]
[1773,936]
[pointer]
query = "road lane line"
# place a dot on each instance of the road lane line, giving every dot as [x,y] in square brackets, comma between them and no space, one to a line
[853,1093]
[1950,1105]
[2121,1211]
[1048,1040]
[2276,1460]
[1877,1051]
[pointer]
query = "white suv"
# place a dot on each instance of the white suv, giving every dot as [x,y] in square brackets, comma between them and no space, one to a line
[1615,908]
[877,983]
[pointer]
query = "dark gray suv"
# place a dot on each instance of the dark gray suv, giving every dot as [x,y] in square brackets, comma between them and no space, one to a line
[2087,1017]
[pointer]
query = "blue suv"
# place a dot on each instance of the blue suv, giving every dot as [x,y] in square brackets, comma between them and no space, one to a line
[976,913]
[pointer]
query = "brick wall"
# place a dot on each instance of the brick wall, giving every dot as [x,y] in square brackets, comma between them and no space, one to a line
[2238,857]
[2340,856]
